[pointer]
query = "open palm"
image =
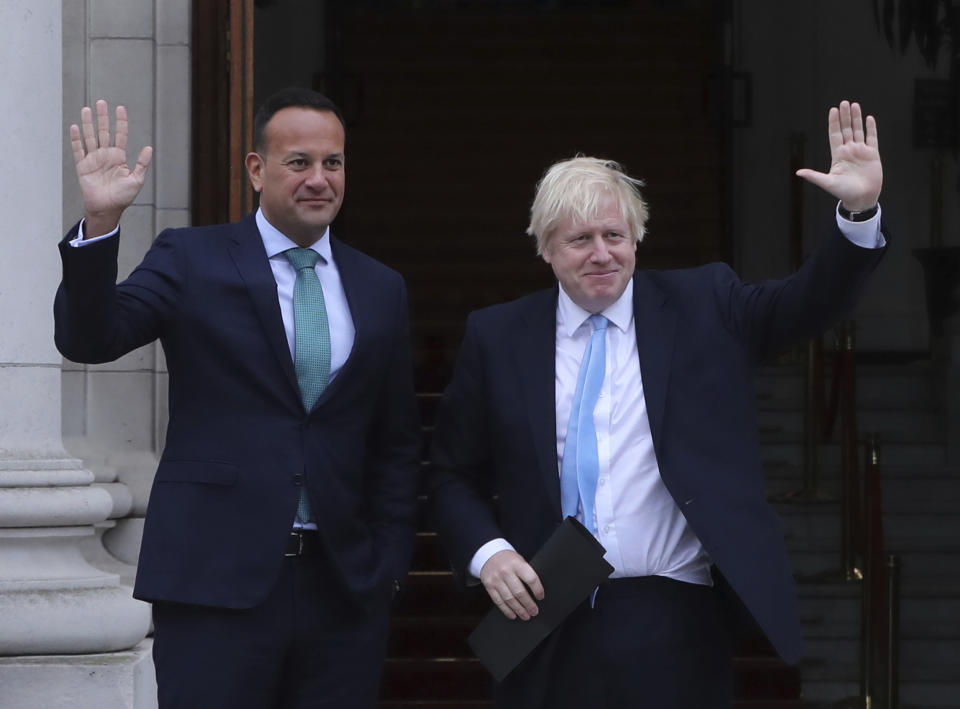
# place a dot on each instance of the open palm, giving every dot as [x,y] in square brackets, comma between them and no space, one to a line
[107,183]
[856,172]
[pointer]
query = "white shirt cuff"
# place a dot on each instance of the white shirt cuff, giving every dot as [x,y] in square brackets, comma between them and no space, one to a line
[483,555]
[79,240]
[866,234]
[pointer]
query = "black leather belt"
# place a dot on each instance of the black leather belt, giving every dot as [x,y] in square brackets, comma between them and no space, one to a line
[302,542]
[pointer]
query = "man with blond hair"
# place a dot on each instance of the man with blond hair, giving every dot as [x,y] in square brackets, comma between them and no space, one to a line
[624,398]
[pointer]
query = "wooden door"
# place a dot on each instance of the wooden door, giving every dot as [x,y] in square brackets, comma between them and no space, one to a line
[222,122]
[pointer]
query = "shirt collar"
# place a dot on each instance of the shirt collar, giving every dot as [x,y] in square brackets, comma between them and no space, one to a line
[571,316]
[276,242]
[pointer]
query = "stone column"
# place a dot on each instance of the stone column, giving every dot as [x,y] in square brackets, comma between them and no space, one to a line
[52,601]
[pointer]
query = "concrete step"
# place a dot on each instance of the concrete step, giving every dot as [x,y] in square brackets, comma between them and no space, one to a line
[918,452]
[932,688]
[808,562]
[888,422]
[901,485]
[905,385]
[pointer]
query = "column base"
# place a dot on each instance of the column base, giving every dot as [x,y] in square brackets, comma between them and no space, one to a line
[116,680]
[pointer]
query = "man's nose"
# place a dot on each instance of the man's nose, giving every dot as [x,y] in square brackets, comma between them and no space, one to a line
[317,179]
[599,253]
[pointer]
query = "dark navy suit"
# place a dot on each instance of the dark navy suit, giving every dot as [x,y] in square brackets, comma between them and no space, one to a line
[239,444]
[699,334]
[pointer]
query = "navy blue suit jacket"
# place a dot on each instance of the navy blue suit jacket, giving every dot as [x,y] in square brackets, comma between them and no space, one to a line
[699,334]
[239,443]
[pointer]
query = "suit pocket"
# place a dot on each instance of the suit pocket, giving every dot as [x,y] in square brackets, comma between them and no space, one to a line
[209,472]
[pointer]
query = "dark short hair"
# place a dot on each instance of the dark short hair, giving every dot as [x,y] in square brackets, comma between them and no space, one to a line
[291,97]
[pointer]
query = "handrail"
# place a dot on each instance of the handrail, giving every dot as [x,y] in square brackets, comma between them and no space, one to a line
[874,586]
[893,632]
[880,600]
[851,551]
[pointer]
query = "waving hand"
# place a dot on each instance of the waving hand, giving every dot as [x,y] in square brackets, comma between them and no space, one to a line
[107,183]
[856,174]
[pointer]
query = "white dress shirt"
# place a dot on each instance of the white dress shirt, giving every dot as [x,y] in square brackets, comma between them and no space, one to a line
[637,520]
[342,331]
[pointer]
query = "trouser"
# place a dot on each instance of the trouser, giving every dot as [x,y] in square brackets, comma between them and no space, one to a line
[304,646]
[647,643]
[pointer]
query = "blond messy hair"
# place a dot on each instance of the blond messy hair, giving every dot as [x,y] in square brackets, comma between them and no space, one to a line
[573,188]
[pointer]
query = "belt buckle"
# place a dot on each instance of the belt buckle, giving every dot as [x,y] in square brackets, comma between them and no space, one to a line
[299,551]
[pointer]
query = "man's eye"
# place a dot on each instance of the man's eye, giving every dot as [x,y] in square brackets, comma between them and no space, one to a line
[333,163]
[297,163]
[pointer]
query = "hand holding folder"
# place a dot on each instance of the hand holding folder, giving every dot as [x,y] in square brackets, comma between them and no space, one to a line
[570,565]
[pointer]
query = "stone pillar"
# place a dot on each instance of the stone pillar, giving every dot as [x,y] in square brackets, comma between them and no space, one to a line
[52,601]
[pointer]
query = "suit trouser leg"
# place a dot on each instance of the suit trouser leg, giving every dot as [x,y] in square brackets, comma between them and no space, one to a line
[304,646]
[649,643]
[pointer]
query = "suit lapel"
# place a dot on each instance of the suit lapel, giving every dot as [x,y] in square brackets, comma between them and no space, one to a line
[655,322]
[536,361]
[246,249]
[362,311]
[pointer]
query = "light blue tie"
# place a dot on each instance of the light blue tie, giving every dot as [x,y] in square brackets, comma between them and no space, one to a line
[312,358]
[581,463]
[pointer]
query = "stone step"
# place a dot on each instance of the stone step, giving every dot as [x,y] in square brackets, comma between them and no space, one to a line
[809,562]
[905,385]
[902,529]
[465,679]
[930,688]
[928,603]
[901,486]
[484,704]
[917,452]
[888,423]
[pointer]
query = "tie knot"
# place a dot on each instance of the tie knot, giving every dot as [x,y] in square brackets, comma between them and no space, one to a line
[302,258]
[599,322]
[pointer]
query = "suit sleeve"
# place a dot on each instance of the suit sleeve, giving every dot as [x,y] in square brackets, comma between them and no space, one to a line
[98,320]
[393,469]
[776,314]
[460,482]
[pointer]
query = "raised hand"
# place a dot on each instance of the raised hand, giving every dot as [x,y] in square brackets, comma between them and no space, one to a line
[107,183]
[510,581]
[856,174]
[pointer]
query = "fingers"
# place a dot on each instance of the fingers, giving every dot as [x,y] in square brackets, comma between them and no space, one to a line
[845,124]
[509,581]
[143,162]
[76,143]
[846,121]
[101,139]
[820,179]
[121,128]
[871,138]
[856,119]
[103,124]
[86,122]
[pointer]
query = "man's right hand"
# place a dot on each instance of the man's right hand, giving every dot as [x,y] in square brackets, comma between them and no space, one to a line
[509,580]
[107,183]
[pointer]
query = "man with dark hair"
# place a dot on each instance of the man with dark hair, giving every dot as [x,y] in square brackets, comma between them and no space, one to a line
[624,398]
[280,523]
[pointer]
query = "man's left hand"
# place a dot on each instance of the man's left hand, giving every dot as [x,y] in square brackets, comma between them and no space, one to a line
[856,174]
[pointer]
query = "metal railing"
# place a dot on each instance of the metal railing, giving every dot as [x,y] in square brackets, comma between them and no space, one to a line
[862,557]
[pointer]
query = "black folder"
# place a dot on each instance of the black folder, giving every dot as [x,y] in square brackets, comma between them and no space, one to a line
[570,565]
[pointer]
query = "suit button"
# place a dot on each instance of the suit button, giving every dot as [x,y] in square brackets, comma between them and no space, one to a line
[298,479]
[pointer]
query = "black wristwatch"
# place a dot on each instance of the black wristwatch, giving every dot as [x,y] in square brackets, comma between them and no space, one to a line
[857,216]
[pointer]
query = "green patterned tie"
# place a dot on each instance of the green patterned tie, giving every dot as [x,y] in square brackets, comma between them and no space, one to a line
[312,359]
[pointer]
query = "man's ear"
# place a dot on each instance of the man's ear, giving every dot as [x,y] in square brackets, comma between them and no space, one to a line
[545,251]
[254,164]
